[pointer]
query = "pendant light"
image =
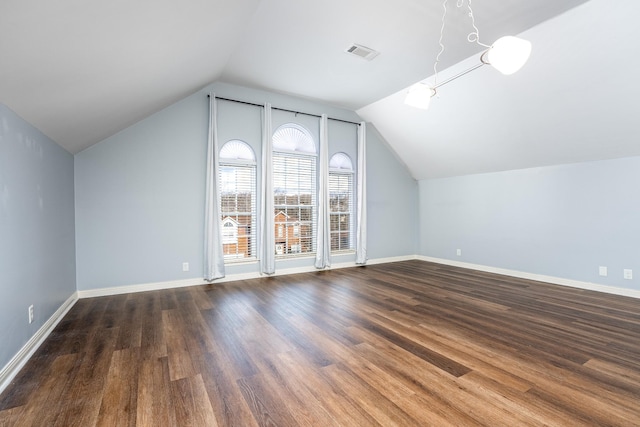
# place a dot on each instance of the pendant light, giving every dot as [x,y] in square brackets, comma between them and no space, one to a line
[507,55]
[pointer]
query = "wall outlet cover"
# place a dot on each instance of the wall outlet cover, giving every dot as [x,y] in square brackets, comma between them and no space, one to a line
[628,274]
[602,271]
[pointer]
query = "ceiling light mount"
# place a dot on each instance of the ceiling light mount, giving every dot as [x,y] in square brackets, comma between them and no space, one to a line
[507,55]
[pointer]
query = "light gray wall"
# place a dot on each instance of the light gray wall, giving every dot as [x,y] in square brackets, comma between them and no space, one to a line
[139,200]
[562,221]
[140,193]
[37,252]
[392,196]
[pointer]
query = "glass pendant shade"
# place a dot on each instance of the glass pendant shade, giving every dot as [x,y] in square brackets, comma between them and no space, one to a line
[508,54]
[419,96]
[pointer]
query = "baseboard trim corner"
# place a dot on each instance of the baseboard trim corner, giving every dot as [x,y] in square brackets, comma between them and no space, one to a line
[11,369]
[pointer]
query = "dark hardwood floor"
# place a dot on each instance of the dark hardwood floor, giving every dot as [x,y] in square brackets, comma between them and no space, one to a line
[402,344]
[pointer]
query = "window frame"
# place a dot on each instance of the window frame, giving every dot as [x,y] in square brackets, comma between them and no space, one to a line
[349,174]
[292,243]
[250,167]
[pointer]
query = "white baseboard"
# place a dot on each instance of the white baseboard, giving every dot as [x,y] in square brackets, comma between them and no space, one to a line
[11,369]
[391,259]
[538,277]
[91,293]
[144,287]
[307,269]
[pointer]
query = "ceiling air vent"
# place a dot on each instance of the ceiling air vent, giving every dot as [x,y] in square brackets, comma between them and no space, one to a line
[362,51]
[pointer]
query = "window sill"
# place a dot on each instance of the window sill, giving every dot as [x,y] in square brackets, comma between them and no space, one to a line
[240,261]
[295,256]
[343,252]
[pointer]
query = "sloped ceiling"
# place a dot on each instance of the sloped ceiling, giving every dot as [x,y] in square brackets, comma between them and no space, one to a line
[81,71]
[574,101]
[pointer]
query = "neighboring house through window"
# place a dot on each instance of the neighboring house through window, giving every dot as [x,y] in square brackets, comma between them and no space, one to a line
[294,186]
[238,201]
[341,203]
[229,231]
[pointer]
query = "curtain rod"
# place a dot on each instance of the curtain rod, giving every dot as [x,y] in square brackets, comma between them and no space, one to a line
[283,109]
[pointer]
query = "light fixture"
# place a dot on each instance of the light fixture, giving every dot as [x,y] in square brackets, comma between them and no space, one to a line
[507,55]
[419,96]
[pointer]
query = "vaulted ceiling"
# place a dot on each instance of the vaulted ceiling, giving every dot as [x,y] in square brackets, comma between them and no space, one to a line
[81,71]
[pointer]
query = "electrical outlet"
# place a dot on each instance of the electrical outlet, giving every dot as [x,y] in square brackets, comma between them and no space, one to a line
[628,274]
[31,313]
[185,266]
[459,252]
[602,271]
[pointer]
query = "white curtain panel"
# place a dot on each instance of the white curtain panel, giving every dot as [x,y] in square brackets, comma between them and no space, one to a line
[213,251]
[361,226]
[323,242]
[266,242]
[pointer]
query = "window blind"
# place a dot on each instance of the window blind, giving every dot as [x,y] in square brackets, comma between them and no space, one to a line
[341,211]
[238,210]
[295,203]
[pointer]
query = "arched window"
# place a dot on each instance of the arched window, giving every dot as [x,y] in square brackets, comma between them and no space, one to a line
[293,138]
[238,201]
[341,203]
[294,187]
[236,150]
[341,162]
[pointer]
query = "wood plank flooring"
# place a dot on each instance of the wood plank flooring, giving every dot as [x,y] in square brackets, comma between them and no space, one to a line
[402,344]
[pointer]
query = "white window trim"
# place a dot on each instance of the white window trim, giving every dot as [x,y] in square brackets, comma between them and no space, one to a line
[352,235]
[314,206]
[243,163]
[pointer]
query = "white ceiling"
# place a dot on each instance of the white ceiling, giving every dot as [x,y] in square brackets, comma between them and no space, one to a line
[81,70]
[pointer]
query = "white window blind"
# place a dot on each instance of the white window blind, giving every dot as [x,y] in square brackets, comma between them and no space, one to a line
[341,203]
[294,184]
[238,201]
